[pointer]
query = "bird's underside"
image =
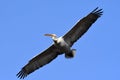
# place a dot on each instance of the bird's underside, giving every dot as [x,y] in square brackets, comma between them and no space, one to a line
[61,45]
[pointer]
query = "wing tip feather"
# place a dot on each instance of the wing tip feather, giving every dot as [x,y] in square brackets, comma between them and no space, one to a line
[97,11]
[21,74]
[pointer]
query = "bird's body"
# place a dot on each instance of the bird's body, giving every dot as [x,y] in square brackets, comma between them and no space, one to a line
[61,45]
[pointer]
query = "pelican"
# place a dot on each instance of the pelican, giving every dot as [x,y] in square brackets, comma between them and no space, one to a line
[61,45]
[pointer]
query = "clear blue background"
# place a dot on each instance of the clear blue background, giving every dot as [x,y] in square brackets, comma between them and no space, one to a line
[23,23]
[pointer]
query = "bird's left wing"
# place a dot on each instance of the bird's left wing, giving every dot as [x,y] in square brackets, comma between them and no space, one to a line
[39,61]
[82,26]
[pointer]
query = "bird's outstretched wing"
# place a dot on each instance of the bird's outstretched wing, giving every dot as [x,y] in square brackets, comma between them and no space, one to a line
[82,26]
[39,61]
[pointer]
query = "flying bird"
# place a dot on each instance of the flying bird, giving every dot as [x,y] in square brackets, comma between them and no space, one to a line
[61,45]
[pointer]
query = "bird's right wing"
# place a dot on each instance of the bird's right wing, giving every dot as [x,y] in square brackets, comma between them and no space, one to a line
[40,60]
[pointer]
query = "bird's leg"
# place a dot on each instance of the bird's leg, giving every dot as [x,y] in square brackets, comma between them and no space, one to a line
[71,54]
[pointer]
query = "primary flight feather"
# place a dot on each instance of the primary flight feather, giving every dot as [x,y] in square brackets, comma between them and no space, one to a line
[62,45]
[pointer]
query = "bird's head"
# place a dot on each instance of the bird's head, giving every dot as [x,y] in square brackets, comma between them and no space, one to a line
[53,36]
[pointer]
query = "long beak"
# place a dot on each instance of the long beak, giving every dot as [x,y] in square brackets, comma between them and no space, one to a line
[51,35]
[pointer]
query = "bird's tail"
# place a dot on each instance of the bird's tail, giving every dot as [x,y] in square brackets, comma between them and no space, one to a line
[71,54]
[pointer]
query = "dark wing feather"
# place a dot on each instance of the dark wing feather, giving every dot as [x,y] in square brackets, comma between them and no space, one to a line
[39,61]
[82,26]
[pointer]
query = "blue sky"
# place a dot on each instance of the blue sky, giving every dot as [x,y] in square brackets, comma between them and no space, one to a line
[23,23]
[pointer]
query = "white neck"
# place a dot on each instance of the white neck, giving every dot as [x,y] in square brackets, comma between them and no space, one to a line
[55,39]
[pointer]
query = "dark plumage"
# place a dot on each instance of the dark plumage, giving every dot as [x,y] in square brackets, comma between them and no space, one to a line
[57,48]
